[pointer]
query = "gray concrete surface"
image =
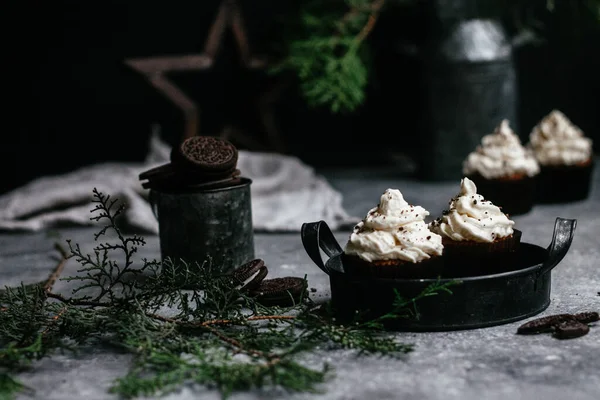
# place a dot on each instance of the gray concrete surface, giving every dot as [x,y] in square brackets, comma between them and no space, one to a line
[490,363]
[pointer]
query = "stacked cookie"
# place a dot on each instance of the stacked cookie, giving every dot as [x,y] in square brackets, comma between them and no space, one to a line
[199,162]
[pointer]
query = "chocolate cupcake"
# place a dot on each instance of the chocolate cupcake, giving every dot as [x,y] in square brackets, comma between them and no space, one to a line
[504,171]
[393,241]
[478,237]
[565,157]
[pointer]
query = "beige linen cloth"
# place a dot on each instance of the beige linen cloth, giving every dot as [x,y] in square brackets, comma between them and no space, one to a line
[285,194]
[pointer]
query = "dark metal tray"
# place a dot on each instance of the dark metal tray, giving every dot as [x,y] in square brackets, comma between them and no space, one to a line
[520,291]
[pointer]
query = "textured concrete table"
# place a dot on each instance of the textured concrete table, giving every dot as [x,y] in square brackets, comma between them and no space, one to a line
[491,363]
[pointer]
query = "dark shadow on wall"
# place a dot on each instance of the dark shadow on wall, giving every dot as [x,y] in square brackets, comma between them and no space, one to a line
[70,101]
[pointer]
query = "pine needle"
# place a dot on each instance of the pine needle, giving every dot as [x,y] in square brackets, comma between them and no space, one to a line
[212,335]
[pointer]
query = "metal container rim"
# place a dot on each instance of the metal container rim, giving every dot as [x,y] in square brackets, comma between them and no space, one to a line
[243,183]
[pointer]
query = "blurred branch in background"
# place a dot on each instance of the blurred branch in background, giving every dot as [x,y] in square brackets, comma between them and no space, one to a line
[327,50]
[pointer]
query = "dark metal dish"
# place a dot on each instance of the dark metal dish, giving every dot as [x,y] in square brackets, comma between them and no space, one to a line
[520,291]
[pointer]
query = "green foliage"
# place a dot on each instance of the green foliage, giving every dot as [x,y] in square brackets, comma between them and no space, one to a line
[182,323]
[326,53]
[327,79]
[99,270]
[9,387]
[326,49]
[21,322]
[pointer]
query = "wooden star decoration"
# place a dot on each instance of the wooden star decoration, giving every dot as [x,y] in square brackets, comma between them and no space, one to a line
[155,69]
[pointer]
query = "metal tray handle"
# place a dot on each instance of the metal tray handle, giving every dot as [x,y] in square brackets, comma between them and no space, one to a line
[317,235]
[564,229]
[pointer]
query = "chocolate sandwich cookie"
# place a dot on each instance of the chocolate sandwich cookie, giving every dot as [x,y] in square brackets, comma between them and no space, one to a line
[205,154]
[543,324]
[199,162]
[283,292]
[570,329]
[587,317]
[162,172]
[564,326]
[249,275]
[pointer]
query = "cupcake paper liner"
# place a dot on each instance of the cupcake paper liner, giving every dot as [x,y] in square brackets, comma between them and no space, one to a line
[469,258]
[564,184]
[514,195]
[393,269]
[459,259]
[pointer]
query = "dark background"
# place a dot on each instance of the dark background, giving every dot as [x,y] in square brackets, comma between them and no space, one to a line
[70,101]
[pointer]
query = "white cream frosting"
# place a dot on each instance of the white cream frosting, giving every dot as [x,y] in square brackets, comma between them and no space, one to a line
[556,141]
[501,154]
[472,218]
[394,230]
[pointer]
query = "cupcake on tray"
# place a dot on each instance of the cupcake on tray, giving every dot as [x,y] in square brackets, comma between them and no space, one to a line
[504,171]
[565,157]
[478,238]
[393,241]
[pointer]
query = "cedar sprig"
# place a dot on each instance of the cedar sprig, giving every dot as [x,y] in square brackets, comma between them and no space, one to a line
[181,322]
[403,307]
[326,52]
[10,387]
[100,271]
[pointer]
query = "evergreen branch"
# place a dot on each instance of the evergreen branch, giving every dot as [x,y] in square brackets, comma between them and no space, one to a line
[405,308]
[77,302]
[223,321]
[218,336]
[101,272]
[55,320]
[220,372]
[49,284]
[209,326]
[237,345]
[23,314]
[16,353]
[13,354]
[327,53]
[9,387]
[368,27]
